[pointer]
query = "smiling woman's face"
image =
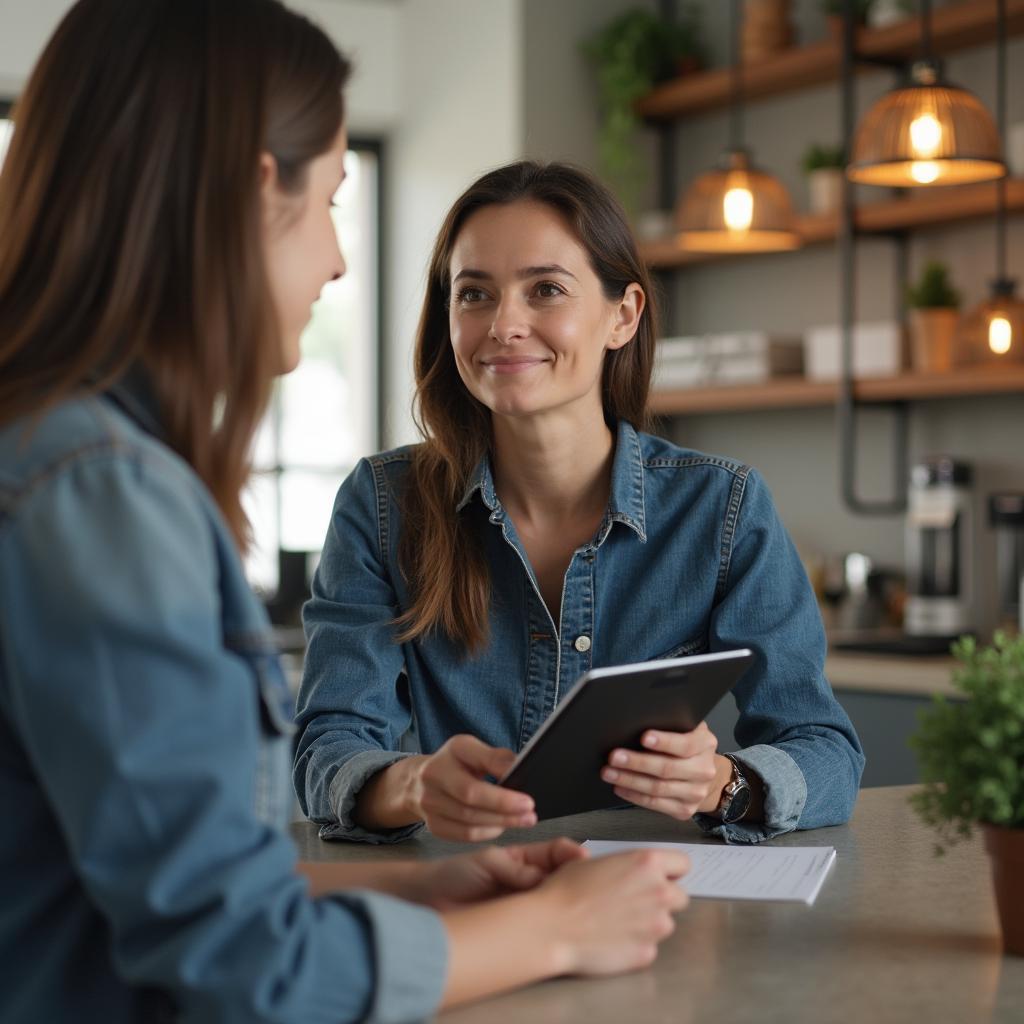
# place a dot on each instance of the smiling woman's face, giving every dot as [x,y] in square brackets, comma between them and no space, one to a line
[529,320]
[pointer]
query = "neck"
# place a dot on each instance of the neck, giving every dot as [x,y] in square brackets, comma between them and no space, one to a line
[555,467]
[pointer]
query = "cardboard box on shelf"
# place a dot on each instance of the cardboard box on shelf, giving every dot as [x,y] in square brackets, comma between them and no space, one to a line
[878,350]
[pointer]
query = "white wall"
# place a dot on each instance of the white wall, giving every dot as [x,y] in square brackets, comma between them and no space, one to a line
[25,26]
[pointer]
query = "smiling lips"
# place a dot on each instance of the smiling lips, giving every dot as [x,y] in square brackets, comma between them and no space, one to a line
[512,364]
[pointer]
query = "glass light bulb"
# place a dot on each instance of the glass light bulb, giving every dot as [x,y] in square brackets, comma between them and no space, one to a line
[925,136]
[924,172]
[1000,334]
[738,209]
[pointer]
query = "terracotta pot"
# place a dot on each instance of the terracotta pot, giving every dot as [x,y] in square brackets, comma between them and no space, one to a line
[932,339]
[1006,849]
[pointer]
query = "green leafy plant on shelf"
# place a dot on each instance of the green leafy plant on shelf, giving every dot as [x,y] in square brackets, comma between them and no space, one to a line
[971,752]
[631,54]
[819,158]
[933,289]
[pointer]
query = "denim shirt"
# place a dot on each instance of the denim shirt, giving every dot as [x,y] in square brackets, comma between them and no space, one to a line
[144,750]
[690,557]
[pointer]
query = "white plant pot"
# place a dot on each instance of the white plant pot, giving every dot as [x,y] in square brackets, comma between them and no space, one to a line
[825,190]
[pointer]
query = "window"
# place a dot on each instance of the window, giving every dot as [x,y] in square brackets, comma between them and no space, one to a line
[6,129]
[324,415]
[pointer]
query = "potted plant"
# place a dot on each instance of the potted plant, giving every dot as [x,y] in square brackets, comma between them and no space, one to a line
[823,166]
[934,316]
[631,54]
[971,755]
[834,15]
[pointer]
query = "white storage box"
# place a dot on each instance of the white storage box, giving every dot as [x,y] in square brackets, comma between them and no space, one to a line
[877,350]
[743,357]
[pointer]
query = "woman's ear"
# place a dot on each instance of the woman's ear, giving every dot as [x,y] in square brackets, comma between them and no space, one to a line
[272,199]
[628,311]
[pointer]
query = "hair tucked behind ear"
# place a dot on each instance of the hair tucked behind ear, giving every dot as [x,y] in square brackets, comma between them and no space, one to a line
[130,213]
[439,553]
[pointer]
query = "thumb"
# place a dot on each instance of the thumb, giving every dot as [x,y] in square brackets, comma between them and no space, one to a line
[479,757]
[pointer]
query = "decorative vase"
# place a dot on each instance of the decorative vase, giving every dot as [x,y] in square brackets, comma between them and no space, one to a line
[825,189]
[932,338]
[1006,850]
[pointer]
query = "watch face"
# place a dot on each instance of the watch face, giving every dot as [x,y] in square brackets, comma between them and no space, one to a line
[737,805]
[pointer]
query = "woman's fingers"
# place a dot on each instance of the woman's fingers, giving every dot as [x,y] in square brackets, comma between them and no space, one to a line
[440,803]
[681,809]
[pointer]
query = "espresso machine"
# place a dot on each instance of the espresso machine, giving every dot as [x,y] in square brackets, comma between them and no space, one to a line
[942,601]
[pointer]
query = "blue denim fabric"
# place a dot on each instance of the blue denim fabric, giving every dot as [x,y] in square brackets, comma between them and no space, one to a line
[690,557]
[144,722]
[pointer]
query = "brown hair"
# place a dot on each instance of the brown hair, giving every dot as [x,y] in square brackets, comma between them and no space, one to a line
[130,213]
[439,554]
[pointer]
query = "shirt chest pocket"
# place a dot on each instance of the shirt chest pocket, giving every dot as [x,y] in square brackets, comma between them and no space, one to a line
[273,799]
[695,645]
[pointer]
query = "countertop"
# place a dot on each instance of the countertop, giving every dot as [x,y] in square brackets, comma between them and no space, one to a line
[896,935]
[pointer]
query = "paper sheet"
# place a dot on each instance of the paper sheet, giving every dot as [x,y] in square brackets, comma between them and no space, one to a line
[793,873]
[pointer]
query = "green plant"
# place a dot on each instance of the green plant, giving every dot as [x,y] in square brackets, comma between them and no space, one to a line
[933,290]
[818,157]
[971,752]
[838,8]
[631,54]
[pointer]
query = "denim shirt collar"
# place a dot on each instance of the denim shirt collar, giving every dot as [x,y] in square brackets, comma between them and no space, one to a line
[625,502]
[133,394]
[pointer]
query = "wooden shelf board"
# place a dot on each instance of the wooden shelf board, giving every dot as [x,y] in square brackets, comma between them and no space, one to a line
[960,26]
[915,209]
[782,393]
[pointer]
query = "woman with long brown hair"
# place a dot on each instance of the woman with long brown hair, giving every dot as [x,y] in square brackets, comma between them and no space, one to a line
[164,228]
[538,532]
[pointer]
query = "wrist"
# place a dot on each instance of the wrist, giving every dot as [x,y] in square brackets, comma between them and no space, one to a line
[723,773]
[389,799]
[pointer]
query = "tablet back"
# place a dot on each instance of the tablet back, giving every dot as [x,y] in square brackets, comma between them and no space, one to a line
[612,707]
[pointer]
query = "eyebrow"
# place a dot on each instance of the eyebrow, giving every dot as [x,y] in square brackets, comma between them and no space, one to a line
[522,274]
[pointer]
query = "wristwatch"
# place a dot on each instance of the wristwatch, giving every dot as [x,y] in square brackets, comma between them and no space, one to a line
[735,796]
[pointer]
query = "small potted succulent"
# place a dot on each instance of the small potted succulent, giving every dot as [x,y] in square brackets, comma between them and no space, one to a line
[934,317]
[631,54]
[971,754]
[823,166]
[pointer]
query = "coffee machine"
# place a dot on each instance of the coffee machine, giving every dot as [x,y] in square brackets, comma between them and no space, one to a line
[940,539]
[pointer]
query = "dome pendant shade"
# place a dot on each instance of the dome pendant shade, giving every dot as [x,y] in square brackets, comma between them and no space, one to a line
[926,133]
[736,208]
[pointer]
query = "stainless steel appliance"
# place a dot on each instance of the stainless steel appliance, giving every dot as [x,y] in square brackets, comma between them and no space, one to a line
[941,589]
[1006,517]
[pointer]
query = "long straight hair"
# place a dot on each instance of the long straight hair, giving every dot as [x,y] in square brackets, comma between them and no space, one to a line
[130,214]
[439,554]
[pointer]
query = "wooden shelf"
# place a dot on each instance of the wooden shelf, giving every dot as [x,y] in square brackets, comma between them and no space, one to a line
[958,27]
[783,393]
[916,208]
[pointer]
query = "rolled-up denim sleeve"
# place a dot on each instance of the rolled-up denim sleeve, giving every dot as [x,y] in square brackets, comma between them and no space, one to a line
[143,730]
[791,731]
[352,708]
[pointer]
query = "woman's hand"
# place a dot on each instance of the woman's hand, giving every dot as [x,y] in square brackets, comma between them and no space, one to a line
[452,796]
[681,776]
[496,871]
[610,913]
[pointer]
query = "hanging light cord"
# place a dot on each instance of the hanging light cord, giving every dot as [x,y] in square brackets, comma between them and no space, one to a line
[1001,120]
[926,29]
[736,78]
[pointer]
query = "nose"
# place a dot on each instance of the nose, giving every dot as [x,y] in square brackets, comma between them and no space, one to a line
[510,323]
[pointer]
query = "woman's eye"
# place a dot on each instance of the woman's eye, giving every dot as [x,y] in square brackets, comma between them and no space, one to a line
[471,295]
[548,290]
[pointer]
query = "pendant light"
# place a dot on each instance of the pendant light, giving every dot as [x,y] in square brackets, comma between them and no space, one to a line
[927,132]
[994,331]
[736,207]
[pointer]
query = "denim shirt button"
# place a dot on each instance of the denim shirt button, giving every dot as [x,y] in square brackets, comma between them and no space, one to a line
[582,644]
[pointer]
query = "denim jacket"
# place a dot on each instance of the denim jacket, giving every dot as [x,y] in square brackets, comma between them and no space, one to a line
[144,745]
[691,557]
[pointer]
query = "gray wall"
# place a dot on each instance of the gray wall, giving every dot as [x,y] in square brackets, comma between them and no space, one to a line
[796,450]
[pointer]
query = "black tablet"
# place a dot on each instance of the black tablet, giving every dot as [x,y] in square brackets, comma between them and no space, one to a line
[612,707]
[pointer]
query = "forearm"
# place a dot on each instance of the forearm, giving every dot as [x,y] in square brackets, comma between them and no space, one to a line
[390,799]
[401,878]
[529,952]
[723,773]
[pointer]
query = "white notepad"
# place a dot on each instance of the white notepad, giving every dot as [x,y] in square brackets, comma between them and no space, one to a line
[793,873]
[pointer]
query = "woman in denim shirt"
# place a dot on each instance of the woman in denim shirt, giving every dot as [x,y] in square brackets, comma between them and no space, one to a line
[537,532]
[164,227]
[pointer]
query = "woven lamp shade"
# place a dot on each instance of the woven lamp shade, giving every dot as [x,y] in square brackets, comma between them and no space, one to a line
[926,133]
[736,208]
